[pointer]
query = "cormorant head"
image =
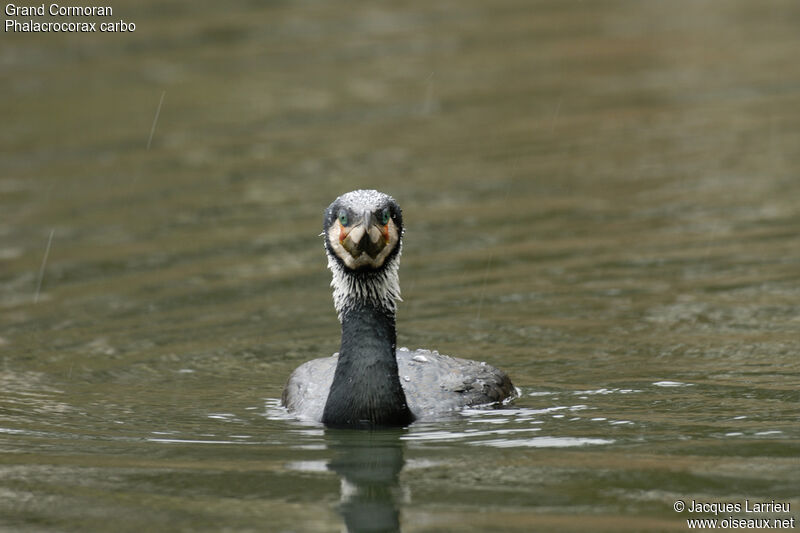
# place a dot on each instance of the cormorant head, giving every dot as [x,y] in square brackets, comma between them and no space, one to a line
[363,232]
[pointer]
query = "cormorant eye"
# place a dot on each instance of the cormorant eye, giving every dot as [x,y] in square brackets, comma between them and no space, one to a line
[385,216]
[343,220]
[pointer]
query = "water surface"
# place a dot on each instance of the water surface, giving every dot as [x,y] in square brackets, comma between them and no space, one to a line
[601,199]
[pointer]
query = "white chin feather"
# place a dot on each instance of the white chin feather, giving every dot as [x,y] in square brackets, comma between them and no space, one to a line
[381,289]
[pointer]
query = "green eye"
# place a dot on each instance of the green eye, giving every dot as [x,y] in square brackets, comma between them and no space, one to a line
[385,216]
[343,217]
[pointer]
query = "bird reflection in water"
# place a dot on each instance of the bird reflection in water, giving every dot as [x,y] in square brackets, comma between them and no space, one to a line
[368,464]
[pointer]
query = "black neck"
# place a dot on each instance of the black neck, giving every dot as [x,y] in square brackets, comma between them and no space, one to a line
[366,389]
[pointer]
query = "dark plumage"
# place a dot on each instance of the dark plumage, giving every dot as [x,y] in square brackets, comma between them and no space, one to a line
[370,383]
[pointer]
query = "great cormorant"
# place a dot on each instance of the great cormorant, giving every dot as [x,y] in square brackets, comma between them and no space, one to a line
[370,383]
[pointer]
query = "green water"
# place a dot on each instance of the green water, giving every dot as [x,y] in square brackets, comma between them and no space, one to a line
[603,199]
